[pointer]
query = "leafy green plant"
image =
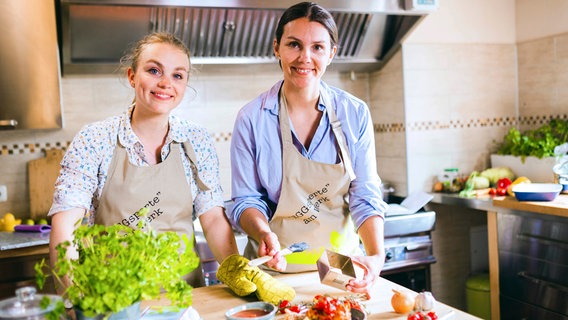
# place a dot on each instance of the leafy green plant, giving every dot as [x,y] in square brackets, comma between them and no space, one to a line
[119,266]
[538,143]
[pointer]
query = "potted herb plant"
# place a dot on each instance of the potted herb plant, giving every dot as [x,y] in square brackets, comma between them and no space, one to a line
[531,153]
[119,267]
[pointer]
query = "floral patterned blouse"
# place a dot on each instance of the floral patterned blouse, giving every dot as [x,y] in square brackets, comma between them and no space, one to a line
[85,165]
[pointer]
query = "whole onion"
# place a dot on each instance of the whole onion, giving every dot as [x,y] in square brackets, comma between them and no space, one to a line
[402,302]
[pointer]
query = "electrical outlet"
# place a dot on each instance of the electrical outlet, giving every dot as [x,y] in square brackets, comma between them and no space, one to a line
[3,193]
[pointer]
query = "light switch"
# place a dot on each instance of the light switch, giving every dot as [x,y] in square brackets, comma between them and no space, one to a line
[3,193]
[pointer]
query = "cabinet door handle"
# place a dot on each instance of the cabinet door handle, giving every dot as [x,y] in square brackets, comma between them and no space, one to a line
[415,247]
[525,275]
[543,240]
[10,123]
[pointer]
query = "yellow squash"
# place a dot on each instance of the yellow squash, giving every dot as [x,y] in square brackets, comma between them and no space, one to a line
[517,181]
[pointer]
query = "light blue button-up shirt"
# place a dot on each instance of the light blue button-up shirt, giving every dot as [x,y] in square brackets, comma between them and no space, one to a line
[256,154]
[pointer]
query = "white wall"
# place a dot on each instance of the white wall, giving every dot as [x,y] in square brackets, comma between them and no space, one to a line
[467,21]
[542,18]
[492,21]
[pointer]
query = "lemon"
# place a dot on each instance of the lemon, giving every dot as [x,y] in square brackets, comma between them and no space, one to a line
[30,222]
[517,181]
[9,218]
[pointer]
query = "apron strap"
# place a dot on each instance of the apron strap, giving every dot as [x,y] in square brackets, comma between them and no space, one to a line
[190,153]
[336,126]
[339,136]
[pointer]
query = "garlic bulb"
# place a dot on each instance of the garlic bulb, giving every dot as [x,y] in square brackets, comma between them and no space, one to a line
[424,301]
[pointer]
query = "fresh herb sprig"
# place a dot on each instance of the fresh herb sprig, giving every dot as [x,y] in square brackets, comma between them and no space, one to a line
[538,143]
[119,266]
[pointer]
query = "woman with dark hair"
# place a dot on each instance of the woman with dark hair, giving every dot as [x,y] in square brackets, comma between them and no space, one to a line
[299,150]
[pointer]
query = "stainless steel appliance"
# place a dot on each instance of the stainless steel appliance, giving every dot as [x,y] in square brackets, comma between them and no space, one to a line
[408,245]
[228,33]
[533,266]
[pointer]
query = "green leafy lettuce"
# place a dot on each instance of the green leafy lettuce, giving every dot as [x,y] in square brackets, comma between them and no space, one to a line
[538,143]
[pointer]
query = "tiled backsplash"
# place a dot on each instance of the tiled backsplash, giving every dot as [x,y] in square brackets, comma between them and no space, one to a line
[213,102]
[433,106]
[449,105]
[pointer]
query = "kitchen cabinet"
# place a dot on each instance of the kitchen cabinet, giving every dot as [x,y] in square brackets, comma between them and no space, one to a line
[30,96]
[497,228]
[532,258]
[533,263]
[19,252]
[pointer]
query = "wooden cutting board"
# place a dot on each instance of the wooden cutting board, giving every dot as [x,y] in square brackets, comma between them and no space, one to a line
[42,174]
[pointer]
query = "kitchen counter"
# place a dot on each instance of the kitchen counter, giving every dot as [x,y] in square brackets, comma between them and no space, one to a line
[506,204]
[212,302]
[14,244]
[484,203]
[557,207]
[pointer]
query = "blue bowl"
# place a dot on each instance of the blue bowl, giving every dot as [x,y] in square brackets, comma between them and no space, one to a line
[537,191]
[563,180]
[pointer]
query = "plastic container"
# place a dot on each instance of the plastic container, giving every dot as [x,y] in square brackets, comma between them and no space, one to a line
[448,175]
[478,294]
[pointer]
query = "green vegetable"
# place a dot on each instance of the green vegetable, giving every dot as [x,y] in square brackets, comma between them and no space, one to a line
[469,187]
[494,174]
[119,266]
[480,182]
[538,143]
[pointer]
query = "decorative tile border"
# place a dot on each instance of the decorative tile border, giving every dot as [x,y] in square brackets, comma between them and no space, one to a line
[31,148]
[39,147]
[465,124]
[538,120]
[222,136]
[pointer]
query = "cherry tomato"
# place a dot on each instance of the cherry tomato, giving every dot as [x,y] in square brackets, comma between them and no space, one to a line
[295,309]
[493,191]
[432,315]
[501,191]
[283,304]
[415,316]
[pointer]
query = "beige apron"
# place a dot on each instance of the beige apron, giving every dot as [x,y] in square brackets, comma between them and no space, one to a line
[162,188]
[311,207]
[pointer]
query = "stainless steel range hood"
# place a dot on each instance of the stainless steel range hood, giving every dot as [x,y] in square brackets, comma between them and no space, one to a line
[227,34]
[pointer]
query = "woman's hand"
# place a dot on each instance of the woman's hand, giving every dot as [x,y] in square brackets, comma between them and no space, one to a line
[268,245]
[372,266]
[372,236]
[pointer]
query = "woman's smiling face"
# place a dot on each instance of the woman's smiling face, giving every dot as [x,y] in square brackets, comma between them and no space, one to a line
[160,79]
[305,51]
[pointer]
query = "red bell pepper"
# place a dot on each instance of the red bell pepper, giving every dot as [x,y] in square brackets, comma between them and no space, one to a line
[502,185]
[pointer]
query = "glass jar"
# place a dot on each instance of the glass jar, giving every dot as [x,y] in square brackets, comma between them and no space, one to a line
[27,305]
[448,175]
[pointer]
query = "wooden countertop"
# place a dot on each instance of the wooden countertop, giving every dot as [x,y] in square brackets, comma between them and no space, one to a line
[212,302]
[557,207]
